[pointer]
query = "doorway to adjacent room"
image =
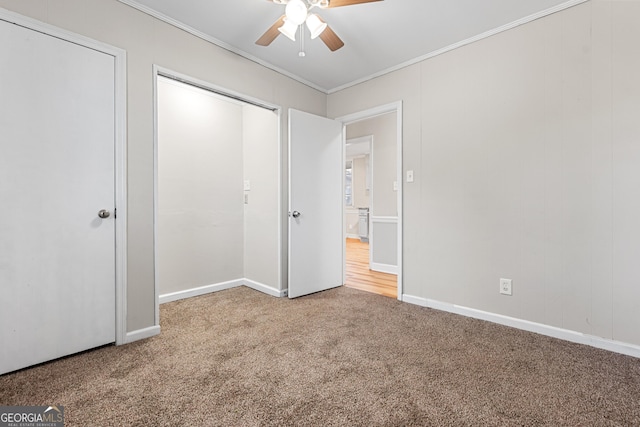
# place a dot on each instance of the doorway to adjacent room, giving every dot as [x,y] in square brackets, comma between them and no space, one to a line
[373,201]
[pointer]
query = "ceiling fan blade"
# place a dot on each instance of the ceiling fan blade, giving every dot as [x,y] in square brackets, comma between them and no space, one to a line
[331,39]
[339,3]
[270,35]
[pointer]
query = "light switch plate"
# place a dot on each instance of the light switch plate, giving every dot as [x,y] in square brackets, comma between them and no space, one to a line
[410,176]
[395,185]
[247,185]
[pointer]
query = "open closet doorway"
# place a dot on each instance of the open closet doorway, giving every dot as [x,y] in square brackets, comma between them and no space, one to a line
[373,201]
[217,202]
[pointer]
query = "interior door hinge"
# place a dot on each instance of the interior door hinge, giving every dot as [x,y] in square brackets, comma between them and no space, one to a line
[115,213]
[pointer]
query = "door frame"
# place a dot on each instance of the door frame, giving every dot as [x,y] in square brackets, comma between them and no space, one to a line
[359,140]
[230,95]
[120,152]
[368,114]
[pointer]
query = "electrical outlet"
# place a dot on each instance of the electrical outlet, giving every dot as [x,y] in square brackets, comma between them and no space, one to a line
[409,176]
[505,286]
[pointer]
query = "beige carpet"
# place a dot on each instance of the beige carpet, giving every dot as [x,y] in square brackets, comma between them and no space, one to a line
[337,358]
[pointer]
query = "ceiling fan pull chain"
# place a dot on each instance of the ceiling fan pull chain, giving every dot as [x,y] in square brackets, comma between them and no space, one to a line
[301,54]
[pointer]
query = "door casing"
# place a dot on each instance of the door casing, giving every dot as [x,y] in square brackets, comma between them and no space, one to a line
[233,96]
[368,114]
[120,154]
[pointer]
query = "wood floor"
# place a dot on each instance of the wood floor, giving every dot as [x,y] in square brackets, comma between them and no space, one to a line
[360,277]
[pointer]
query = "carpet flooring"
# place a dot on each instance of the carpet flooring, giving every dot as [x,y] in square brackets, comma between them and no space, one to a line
[337,358]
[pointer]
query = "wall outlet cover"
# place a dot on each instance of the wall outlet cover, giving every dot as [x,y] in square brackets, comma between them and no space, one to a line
[505,287]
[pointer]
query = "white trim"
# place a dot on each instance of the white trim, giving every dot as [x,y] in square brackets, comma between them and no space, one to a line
[141,334]
[385,219]
[289,209]
[121,195]
[352,236]
[282,216]
[525,325]
[219,90]
[461,43]
[368,114]
[156,268]
[410,299]
[344,206]
[162,17]
[384,268]
[377,266]
[201,290]
[265,289]
[238,96]
[217,287]
[120,147]
[134,4]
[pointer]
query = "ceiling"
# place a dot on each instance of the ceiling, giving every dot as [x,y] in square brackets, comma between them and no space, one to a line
[379,37]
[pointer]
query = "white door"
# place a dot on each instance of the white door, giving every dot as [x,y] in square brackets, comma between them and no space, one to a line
[57,256]
[315,203]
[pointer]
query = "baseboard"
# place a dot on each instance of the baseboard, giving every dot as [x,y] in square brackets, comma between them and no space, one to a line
[141,334]
[202,290]
[264,288]
[353,236]
[384,268]
[539,328]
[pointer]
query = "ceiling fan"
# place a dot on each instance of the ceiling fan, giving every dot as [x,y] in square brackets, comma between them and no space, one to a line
[297,13]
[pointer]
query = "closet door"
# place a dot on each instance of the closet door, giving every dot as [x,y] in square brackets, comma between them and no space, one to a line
[57,222]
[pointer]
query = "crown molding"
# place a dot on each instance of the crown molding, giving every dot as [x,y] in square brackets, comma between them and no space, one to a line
[486,34]
[206,37]
[134,4]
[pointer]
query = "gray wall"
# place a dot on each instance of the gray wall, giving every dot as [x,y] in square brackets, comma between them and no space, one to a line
[524,146]
[360,190]
[149,41]
[526,154]
[383,130]
[360,193]
[384,235]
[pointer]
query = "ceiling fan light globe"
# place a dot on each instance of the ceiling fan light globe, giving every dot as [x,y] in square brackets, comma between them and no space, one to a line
[315,25]
[296,11]
[289,29]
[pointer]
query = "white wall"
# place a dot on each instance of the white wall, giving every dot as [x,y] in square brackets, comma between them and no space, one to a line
[149,41]
[200,205]
[525,151]
[210,230]
[261,169]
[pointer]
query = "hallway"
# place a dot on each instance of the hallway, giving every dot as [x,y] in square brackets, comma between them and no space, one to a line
[358,275]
